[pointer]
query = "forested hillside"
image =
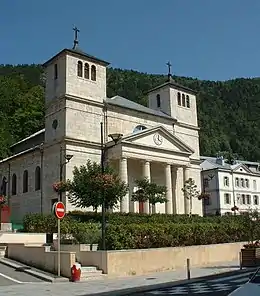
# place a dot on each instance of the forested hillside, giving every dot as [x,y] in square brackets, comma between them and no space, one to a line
[229,112]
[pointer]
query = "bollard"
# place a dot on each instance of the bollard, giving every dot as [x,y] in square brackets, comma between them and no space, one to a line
[240,260]
[188,268]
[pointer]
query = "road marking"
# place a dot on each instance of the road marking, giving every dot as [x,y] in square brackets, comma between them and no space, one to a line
[244,275]
[10,278]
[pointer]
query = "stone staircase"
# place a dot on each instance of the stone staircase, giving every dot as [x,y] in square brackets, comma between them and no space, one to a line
[91,273]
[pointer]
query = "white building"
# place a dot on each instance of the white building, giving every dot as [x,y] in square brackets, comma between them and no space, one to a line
[230,185]
[160,141]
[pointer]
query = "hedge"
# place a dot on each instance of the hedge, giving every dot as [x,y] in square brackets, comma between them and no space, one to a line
[126,218]
[142,236]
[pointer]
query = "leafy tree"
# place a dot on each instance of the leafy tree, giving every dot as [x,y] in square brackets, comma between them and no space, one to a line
[190,191]
[149,191]
[88,184]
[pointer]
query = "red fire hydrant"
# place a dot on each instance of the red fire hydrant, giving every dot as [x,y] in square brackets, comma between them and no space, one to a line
[75,272]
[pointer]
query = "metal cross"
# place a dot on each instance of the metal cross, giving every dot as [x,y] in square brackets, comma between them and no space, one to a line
[76,42]
[169,68]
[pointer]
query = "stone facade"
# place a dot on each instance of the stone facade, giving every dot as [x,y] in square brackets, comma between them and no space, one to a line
[160,142]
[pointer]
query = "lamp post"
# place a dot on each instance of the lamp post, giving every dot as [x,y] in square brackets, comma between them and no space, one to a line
[67,158]
[115,138]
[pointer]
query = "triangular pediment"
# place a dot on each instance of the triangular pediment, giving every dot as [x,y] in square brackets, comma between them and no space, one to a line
[158,137]
[241,168]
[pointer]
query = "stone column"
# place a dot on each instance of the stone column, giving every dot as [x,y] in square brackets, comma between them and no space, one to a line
[175,204]
[168,183]
[147,174]
[186,201]
[124,204]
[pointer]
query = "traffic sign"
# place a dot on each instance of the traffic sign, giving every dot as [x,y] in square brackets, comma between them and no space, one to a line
[59,209]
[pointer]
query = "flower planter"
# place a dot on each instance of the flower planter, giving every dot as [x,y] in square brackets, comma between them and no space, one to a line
[250,257]
[94,247]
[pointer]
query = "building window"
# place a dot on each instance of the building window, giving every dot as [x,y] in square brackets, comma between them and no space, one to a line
[237,182]
[183,100]
[25,181]
[93,73]
[248,199]
[206,182]
[4,186]
[242,181]
[55,71]
[139,128]
[14,184]
[256,200]
[254,185]
[239,199]
[243,201]
[226,181]
[80,68]
[227,198]
[179,98]
[247,183]
[158,100]
[37,178]
[86,71]
[187,101]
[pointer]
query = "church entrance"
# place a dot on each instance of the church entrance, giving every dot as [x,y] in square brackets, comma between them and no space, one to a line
[141,207]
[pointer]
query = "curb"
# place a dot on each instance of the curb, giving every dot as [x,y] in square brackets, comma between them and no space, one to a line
[39,275]
[148,288]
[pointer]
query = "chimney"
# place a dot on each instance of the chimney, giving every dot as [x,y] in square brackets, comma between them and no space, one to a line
[220,160]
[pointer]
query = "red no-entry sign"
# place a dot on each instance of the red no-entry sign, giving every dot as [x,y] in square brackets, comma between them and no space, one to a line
[59,209]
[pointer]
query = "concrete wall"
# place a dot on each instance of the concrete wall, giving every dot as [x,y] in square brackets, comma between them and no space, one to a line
[42,258]
[138,262]
[22,238]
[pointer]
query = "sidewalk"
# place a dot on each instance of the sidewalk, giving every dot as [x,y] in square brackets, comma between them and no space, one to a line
[116,285]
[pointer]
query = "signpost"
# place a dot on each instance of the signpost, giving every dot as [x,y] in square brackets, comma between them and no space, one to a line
[59,211]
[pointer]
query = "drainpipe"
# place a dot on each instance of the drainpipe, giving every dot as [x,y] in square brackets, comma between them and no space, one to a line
[233,190]
[9,184]
[41,179]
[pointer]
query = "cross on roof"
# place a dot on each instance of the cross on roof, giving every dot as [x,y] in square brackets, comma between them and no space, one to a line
[169,69]
[76,42]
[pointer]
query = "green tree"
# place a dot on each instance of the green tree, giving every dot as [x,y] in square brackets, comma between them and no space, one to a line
[190,191]
[149,191]
[88,184]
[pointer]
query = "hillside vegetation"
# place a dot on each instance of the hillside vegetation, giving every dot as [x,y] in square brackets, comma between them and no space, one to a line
[228,112]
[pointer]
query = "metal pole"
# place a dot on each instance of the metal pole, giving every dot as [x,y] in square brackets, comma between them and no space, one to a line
[188,269]
[58,247]
[240,260]
[103,192]
[61,165]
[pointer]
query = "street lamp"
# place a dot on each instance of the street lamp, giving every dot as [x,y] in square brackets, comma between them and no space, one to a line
[67,158]
[115,138]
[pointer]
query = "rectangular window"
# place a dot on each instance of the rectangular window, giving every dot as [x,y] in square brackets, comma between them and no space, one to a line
[55,71]
[237,182]
[242,182]
[239,201]
[227,198]
[254,185]
[256,200]
[226,181]
[243,202]
[248,199]
[247,183]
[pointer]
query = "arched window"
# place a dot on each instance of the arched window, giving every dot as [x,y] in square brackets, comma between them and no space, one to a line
[183,100]
[187,101]
[80,68]
[14,184]
[139,128]
[179,98]
[4,186]
[93,73]
[37,178]
[86,71]
[25,181]
[158,99]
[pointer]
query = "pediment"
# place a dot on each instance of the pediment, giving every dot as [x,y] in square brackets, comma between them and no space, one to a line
[241,168]
[160,138]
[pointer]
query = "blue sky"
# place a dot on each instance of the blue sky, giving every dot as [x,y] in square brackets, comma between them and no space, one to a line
[205,39]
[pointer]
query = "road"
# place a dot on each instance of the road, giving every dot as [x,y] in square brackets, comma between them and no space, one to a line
[216,286]
[10,276]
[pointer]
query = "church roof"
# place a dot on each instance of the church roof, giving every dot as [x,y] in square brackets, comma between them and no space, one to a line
[30,137]
[78,53]
[172,83]
[124,103]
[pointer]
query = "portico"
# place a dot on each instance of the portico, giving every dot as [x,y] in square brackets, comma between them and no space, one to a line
[161,157]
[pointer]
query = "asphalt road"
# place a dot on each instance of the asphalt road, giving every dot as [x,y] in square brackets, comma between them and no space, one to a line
[215,286]
[10,276]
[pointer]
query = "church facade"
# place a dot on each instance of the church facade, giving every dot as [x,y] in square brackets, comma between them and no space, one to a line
[160,142]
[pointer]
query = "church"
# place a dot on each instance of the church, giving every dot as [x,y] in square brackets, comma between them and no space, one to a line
[159,142]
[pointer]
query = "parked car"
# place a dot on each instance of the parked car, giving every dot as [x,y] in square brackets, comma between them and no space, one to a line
[250,288]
